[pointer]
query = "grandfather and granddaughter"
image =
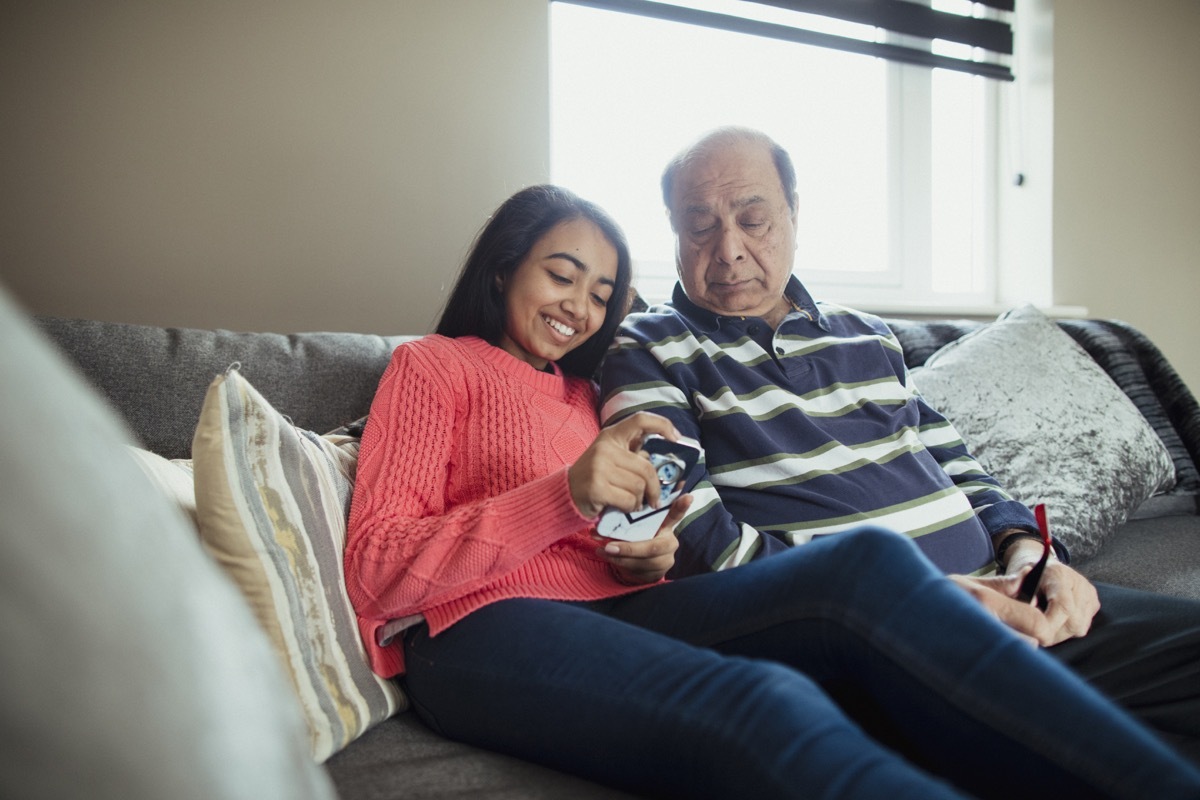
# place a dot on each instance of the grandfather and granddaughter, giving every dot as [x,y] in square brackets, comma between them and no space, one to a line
[479,582]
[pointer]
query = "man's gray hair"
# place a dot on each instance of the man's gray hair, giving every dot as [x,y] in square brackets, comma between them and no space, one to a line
[723,136]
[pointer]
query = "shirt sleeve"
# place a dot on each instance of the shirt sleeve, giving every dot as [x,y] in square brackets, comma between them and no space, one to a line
[635,379]
[406,549]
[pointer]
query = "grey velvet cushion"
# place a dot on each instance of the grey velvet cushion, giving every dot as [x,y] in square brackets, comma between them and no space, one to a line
[157,377]
[1133,362]
[132,668]
[1041,416]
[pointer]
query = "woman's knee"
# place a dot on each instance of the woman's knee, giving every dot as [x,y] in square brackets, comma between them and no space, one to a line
[875,550]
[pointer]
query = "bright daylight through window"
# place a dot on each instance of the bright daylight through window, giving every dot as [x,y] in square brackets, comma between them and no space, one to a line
[894,162]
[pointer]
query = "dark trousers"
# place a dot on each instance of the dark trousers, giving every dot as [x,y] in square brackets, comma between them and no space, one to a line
[1143,652]
[847,668]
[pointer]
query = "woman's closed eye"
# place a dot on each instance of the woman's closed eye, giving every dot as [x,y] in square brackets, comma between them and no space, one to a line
[563,280]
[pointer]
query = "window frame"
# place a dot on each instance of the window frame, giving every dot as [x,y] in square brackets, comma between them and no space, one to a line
[905,284]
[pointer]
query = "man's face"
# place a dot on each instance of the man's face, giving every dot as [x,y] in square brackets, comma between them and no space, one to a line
[735,234]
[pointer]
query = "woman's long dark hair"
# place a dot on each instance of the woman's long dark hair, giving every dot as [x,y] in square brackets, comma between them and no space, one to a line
[476,306]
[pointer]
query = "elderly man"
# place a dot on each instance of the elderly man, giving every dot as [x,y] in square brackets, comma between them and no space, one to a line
[810,427]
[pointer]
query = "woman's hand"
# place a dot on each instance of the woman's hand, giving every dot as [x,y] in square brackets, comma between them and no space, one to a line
[648,561]
[612,471]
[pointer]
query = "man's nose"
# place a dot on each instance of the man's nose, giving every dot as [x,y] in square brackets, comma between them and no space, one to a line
[729,249]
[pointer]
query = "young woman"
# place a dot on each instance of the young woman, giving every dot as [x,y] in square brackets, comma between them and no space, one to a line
[847,668]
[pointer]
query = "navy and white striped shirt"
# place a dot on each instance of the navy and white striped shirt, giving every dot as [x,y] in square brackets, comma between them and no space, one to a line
[808,430]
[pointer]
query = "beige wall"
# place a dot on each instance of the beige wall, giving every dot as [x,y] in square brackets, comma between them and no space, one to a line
[253,165]
[323,166]
[1127,167]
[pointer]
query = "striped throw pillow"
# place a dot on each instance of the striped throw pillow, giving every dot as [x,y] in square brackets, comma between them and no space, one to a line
[272,502]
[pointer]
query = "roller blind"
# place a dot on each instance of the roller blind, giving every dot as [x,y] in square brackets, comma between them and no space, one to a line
[977,38]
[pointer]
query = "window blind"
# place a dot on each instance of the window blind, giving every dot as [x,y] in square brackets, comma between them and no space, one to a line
[984,35]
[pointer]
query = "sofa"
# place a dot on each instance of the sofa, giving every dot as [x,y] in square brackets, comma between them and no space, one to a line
[165,387]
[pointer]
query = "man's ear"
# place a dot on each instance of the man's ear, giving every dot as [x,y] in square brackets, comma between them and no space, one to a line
[795,220]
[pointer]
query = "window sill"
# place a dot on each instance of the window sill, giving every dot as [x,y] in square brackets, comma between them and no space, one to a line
[981,312]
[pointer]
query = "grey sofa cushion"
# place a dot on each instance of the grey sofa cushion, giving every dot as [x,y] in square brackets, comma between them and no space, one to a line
[1158,555]
[401,759]
[157,377]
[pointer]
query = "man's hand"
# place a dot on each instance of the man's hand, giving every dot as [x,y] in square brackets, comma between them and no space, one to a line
[1071,602]
[647,561]
[1069,599]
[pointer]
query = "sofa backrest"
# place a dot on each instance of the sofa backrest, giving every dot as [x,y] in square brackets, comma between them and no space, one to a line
[156,378]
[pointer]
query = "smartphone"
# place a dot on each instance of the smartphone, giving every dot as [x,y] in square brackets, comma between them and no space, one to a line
[673,461]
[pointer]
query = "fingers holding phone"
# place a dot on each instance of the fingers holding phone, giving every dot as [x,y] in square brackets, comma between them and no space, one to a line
[649,560]
[672,462]
[613,473]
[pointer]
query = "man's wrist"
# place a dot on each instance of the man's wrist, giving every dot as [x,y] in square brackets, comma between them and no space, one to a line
[1007,541]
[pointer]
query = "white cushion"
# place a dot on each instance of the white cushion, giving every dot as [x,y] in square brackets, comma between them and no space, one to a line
[132,667]
[1045,420]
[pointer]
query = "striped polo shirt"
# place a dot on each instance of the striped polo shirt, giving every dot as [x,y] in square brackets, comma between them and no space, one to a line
[808,430]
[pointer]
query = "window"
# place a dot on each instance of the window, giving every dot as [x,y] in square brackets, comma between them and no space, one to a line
[896,163]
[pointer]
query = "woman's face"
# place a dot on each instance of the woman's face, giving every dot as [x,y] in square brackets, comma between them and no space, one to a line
[556,298]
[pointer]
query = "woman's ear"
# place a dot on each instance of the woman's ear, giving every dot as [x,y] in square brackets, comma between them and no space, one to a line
[499,283]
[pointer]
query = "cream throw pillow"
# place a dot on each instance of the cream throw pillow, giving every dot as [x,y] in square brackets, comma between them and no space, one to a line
[272,502]
[173,477]
[1045,420]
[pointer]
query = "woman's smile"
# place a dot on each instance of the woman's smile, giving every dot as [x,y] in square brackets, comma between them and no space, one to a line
[565,330]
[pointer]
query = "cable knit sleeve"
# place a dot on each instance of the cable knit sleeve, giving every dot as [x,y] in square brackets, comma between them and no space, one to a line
[407,550]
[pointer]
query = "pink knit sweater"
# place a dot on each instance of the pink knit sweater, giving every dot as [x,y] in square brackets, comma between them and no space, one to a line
[461,497]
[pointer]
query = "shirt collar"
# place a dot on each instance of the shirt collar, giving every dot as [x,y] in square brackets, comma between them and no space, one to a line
[803,306]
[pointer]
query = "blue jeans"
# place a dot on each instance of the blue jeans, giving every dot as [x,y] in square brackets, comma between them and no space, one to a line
[846,668]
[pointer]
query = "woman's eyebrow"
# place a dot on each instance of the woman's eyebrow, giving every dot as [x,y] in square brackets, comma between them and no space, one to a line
[579,265]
